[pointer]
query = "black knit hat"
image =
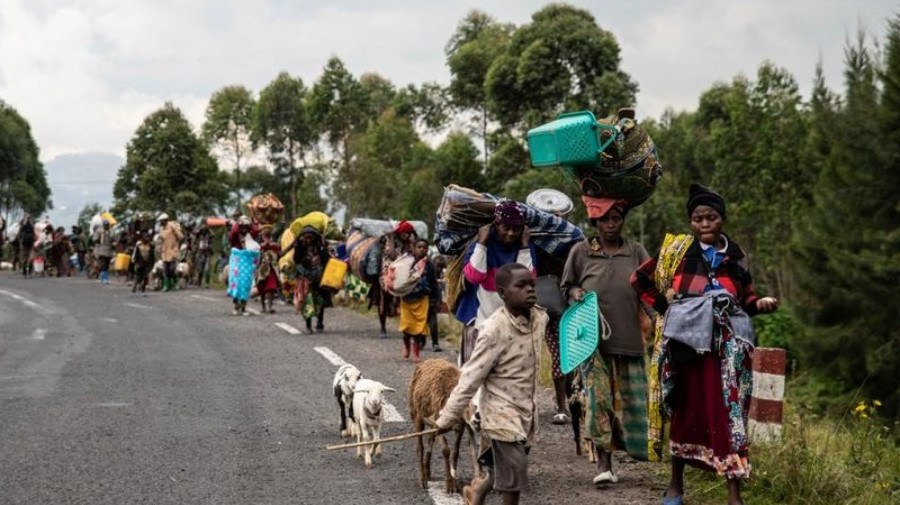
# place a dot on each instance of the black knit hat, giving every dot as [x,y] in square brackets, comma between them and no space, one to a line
[701,195]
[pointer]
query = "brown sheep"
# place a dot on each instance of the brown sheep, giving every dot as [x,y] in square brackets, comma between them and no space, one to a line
[432,382]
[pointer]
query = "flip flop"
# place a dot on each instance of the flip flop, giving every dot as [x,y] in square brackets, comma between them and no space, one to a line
[560,418]
[675,500]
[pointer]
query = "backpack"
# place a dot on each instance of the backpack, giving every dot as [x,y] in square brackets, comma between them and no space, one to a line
[402,275]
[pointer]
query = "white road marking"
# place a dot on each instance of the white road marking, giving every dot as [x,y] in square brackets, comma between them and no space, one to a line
[253,311]
[39,334]
[110,320]
[139,306]
[439,497]
[391,414]
[288,328]
[207,298]
[330,355]
[20,298]
[113,404]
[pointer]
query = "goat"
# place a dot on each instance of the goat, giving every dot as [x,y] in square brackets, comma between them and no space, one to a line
[368,398]
[344,381]
[432,382]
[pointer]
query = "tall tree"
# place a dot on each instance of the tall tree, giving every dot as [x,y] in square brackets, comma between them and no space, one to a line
[559,62]
[281,123]
[471,50]
[850,243]
[168,168]
[229,120]
[23,181]
[339,109]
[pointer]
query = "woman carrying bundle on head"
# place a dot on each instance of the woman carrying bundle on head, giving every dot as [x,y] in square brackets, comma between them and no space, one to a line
[506,240]
[705,376]
[310,257]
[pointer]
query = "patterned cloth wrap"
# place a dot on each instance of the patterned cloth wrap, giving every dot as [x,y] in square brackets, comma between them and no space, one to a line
[629,168]
[265,209]
[463,211]
[359,246]
[671,253]
[241,269]
[355,289]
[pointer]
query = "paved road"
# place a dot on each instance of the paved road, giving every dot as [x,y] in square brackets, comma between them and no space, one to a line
[109,398]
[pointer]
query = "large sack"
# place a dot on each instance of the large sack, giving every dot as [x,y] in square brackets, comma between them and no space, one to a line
[286,262]
[265,209]
[241,269]
[463,211]
[317,220]
[402,276]
[379,227]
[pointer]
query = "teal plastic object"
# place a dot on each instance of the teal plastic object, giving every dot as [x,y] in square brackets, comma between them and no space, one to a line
[579,332]
[571,140]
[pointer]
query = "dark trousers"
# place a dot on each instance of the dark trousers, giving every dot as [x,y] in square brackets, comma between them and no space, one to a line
[169,269]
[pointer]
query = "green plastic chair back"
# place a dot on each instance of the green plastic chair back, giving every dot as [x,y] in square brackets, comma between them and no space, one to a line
[579,332]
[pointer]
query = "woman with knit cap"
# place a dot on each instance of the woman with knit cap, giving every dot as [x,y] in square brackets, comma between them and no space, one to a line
[506,240]
[705,376]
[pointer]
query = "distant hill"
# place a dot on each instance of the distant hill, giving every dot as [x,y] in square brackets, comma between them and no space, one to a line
[77,180]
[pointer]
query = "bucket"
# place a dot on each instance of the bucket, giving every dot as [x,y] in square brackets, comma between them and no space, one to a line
[38,265]
[122,262]
[333,276]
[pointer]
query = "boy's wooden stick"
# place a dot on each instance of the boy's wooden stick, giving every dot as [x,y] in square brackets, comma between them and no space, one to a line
[383,440]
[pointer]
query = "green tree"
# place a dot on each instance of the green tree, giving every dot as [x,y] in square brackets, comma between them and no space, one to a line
[339,109]
[386,157]
[561,61]
[23,181]
[851,244]
[281,123]
[168,168]
[86,213]
[477,42]
[229,120]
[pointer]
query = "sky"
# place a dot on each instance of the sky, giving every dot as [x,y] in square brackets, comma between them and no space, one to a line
[85,73]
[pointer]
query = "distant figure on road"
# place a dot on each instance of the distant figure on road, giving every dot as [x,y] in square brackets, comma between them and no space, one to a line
[25,238]
[267,271]
[310,257]
[143,258]
[171,236]
[103,250]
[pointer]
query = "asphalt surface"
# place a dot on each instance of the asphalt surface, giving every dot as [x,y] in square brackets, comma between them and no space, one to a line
[110,398]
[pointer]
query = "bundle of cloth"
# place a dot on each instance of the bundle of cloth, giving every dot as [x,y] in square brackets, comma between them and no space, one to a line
[317,220]
[265,209]
[363,240]
[629,168]
[463,211]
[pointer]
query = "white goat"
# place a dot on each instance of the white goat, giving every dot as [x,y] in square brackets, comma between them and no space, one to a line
[368,398]
[344,381]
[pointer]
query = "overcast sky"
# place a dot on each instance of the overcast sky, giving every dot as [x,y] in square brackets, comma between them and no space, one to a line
[86,72]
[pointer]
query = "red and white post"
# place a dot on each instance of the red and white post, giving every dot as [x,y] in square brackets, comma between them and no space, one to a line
[766,404]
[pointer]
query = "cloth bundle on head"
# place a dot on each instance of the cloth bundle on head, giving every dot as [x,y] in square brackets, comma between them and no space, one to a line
[244,221]
[509,213]
[701,195]
[599,207]
[162,217]
[404,227]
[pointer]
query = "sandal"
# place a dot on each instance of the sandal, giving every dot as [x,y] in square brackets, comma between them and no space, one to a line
[560,418]
[607,477]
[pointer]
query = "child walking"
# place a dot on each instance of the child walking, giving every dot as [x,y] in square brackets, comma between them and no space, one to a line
[414,306]
[143,259]
[267,272]
[504,364]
